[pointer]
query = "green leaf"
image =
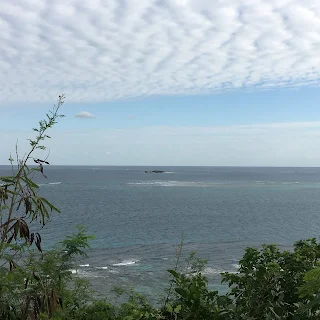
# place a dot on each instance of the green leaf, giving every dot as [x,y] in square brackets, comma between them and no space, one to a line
[183,293]
[52,207]
[29,182]
[169,308]
[43,210]
[11,192]
[174,273]
[8,179]
[177,309]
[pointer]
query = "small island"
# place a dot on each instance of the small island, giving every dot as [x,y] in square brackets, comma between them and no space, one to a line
[154,171]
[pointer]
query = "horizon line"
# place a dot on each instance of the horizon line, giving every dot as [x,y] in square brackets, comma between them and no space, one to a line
[138,165]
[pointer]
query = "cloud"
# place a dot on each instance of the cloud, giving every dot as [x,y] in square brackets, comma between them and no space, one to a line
[106,50]
[85,114]
[273,144]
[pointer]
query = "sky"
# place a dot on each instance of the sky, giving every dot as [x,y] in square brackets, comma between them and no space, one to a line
[163,82]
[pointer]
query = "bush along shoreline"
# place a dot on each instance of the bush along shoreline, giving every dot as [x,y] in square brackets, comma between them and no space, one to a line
[38,284]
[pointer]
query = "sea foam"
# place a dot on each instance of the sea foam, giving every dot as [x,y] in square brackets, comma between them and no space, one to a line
[125,263]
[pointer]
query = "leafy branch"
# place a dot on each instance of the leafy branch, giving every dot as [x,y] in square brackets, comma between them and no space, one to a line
[19,199]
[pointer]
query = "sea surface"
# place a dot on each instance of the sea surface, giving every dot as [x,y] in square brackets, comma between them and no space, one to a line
[138,219]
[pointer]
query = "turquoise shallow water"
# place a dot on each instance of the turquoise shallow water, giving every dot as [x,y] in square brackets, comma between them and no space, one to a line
[138,218]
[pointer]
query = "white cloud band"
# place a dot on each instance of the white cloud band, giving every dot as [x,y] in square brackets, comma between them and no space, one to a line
[105,50]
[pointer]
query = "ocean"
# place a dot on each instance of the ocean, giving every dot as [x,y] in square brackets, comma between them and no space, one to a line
[138,219]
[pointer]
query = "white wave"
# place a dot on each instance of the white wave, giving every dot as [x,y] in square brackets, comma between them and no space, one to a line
[49,184]
[84,265]
[155,183]
[84,274]
[113,271]
[173,183]
[290,182]
[236,266]
[275,182]
[103,268]
[211,271]
[125,263]
[265,182]
[206,271]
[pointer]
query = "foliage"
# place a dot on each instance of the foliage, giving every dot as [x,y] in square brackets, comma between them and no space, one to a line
[266,286]
[310,290]
[311,284]
[43,283]
[270,284]
[191,298]
[20,205]
[19,198]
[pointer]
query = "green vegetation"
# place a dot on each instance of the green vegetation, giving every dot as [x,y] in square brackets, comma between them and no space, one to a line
[38,284]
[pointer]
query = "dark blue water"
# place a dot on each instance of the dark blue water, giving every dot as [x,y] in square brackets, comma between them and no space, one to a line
[138,219]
